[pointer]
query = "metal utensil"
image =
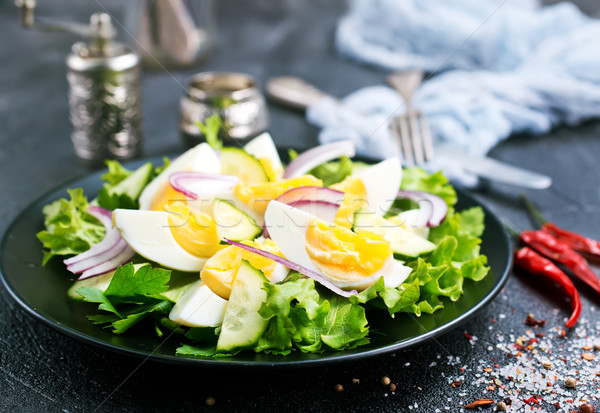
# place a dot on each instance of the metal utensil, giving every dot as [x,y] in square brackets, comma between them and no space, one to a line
[299,94]
[410,129]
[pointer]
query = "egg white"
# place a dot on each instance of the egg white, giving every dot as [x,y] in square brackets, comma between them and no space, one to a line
[200,158]
[199,307]
[149,234]
[287,227]
[263,147]
[382,182]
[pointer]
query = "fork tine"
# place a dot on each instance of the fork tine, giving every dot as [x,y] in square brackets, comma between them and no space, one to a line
[415,121]
[427,139]
[405,136]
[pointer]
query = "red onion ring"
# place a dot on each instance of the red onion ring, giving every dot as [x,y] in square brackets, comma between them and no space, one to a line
[316,156]
[434,207]
[104,256]
[311,193]
[180,181]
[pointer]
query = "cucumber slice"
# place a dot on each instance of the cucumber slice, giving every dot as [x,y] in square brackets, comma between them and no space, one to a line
[238,162]
[405,244]
[134,183]
[242,324]
[232,223]
[101,282]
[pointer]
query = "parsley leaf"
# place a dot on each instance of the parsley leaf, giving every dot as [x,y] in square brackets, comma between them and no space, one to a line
[127,284]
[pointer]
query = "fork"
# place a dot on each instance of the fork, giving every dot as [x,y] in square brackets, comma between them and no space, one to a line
[410,129]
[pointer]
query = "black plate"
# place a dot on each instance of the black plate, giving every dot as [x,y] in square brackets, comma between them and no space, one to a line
[41,291]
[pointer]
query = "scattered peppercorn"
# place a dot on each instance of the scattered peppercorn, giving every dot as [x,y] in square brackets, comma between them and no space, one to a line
[570,382]
[385,380]
[548,365]
[210,401]
[355,381]
[501,407]
[339,388]
[392,387]
[586,408]
[597,346]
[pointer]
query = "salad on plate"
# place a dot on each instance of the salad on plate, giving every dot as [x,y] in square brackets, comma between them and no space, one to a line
[230,250]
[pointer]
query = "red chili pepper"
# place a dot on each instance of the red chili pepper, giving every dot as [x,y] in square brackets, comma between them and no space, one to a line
[534,263]
[578,242]
[558,251]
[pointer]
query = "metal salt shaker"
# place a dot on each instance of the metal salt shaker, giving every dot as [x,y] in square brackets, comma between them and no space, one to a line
[235,97]
[104,88]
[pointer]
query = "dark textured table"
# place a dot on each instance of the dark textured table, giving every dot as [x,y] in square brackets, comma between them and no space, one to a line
[43,370]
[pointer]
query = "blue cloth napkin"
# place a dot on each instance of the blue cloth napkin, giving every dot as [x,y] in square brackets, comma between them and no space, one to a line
[499,67]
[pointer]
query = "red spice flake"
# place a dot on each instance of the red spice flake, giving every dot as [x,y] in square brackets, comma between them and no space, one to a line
[562,333]
[494,320]
[587,356]
[533,400]
[540,335]
[457,383]
[518,347]
[509,355]
[549,384]
[479,402]
[468,336]
[557,405]
[533,340]
[487,370]
[491,388]
[598,373]
[496,365]
[533,322]
[462,369]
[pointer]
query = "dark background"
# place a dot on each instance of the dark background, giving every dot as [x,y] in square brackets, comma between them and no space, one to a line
[42,370]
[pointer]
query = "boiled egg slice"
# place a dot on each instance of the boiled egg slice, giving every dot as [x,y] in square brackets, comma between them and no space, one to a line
[220,270]
[263,148]
[180,239]
[199,307]
[347,259]
[201,158]
[374,188]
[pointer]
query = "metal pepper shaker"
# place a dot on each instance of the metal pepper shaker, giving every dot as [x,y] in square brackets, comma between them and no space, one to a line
[104,88]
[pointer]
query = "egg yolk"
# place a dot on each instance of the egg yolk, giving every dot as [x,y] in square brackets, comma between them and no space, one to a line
[270,170]
[195,231]
[355,197]
[345,256]
[220,270]
[257,196]
[165,195]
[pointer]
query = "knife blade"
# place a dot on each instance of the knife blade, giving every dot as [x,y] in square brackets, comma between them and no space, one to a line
[299,94]
[495,170]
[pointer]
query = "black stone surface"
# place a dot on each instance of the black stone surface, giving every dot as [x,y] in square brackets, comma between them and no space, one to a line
[43,370]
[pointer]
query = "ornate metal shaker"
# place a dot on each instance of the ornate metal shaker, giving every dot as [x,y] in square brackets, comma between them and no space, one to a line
[235,97]
[104,88]
[104,97]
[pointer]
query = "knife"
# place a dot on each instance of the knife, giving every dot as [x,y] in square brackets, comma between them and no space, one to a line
[299,94]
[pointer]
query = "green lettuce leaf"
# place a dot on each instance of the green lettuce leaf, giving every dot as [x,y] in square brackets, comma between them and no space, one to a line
[116,172]
[417,179]
[301,317]
[69,229]
[333,172]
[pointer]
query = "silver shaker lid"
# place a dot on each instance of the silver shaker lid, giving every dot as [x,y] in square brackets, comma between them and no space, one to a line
[100,52]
